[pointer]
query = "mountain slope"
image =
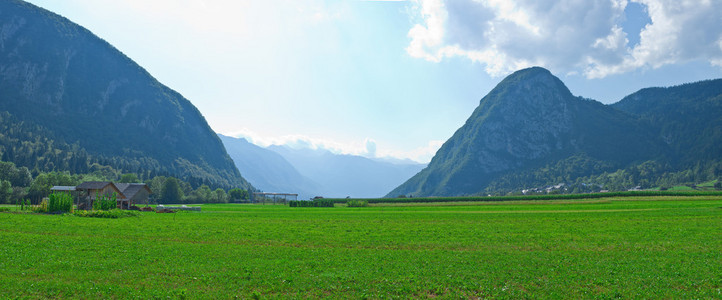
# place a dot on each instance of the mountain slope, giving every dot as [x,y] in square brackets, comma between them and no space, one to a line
[59,76]
[688,118]
[531,121]
[347,175]
[268,170]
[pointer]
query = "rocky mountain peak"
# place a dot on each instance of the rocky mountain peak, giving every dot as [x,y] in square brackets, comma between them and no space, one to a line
[529,118]
[533,86]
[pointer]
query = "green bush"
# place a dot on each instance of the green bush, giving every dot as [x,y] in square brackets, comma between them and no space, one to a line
[4,209]
[60,202]
[300,203]
[108,214]
[105,202]
[323,203]
[41,208]
[357,203]
[314,203]
[24,204]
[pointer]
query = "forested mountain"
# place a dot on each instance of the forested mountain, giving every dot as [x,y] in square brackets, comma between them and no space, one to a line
[340,175]
[531,132]
[268,170]
[69,100]
[688,118]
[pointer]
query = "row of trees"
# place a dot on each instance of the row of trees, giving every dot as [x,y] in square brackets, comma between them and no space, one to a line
[18,183]
[172,190]
[574,172]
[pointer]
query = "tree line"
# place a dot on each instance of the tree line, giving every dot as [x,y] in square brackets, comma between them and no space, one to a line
[19,183]
[574,173]
[38,149]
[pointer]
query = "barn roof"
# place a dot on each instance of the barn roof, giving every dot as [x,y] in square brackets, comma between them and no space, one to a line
[93,185]
[63,188]
[130,189]
[99,185]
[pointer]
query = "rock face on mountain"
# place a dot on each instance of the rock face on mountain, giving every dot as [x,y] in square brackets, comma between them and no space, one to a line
[59,76]
[528,121]
[268,170]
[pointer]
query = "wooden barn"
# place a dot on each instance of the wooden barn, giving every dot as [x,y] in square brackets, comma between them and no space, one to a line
[136,193]
[90,190]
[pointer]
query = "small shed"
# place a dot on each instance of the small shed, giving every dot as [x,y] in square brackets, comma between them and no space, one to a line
[136,193]
[89,190]
[62,188]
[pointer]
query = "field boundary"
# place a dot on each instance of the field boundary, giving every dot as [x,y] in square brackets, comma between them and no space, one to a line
[534,197]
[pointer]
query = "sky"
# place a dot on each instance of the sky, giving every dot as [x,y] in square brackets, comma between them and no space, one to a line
[394,78]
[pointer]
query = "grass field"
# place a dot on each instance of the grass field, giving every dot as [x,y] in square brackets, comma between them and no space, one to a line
[632,247]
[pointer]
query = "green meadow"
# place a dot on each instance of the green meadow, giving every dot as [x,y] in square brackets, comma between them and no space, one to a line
[631,247]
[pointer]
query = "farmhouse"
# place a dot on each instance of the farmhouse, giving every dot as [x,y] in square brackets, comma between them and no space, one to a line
[126,194]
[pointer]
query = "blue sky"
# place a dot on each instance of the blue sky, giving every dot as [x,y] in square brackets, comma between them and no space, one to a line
[394,78]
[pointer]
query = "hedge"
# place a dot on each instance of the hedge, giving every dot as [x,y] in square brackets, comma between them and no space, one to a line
[535,197]
[314,203]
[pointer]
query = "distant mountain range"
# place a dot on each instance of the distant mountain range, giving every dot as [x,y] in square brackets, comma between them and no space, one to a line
[72,102]
[268,170]
[347,175]
[319,172]
[531,132]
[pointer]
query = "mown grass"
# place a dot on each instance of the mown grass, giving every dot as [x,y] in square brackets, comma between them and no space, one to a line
[601,248]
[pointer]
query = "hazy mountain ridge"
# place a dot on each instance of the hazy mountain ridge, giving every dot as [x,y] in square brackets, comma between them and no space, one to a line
[342,175]
[316,172]
[531,131]
[268,170]
[59,76]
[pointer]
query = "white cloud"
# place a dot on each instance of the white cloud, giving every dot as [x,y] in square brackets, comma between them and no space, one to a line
[370,148]
[431,34]
[421,154]
[367,148]
[567,36]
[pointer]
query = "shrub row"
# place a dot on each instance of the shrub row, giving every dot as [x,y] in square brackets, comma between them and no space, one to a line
[357,203]
[108,214]
[105,202]
[536,197]
[314,203]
